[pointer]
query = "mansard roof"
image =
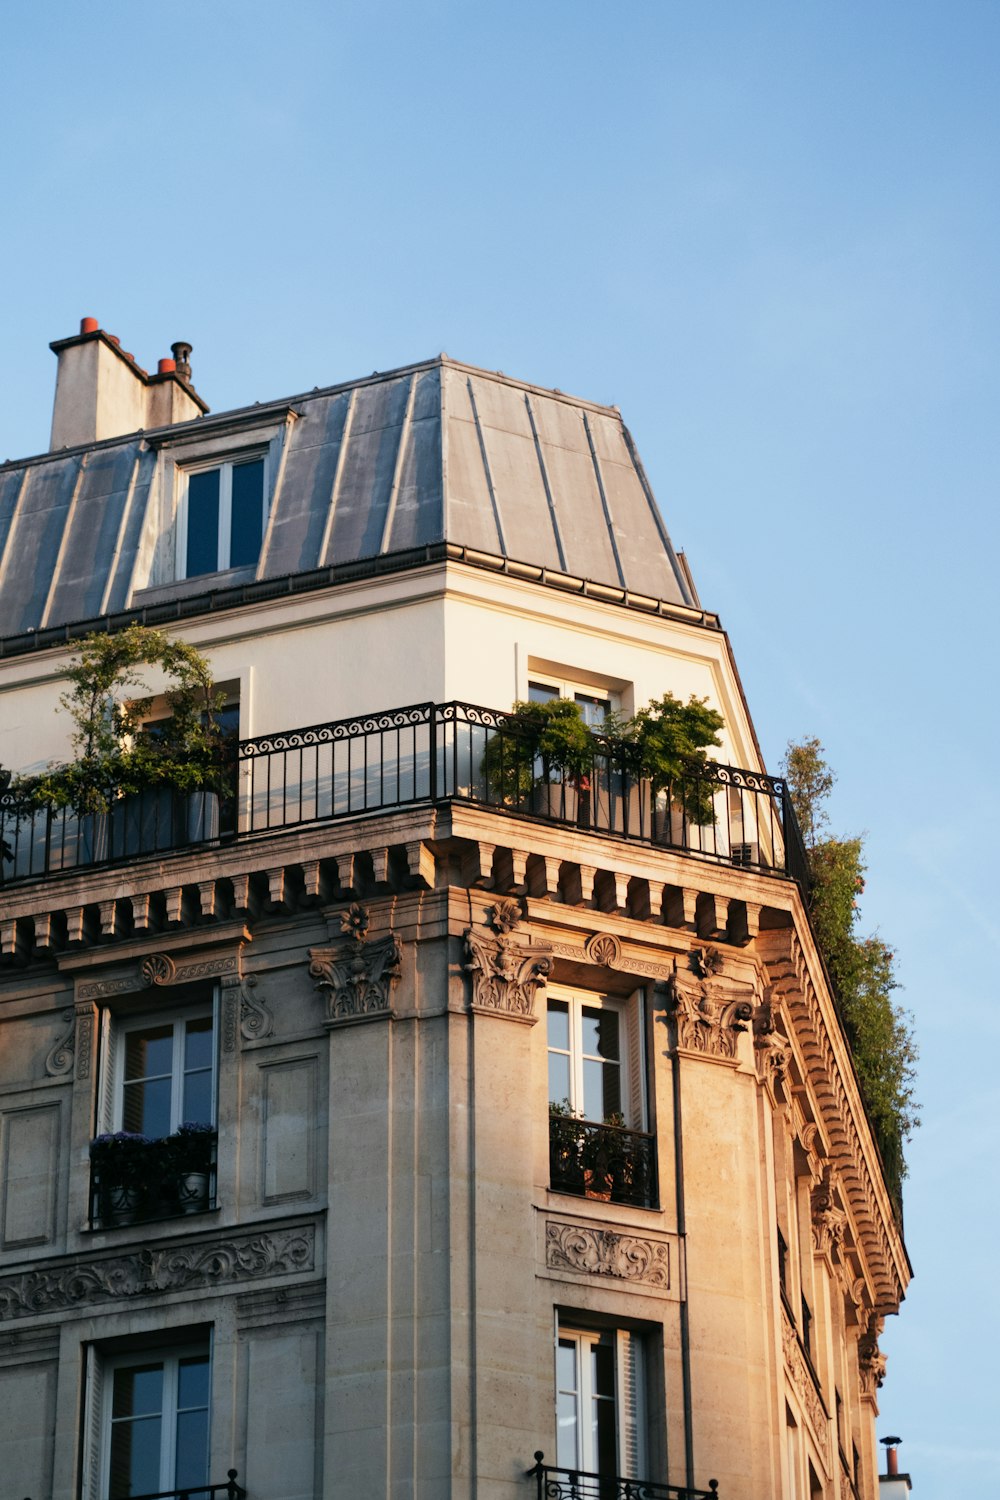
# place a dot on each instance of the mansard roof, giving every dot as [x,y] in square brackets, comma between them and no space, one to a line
[435,452]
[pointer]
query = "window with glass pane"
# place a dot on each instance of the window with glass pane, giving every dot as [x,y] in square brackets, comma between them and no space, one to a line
[222,517]
[600,1429]
[156,1431]
[168,1075]
[586,1065]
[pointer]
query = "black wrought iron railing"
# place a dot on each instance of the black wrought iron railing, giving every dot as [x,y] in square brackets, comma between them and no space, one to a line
[142,1180]
[602,1161]
[228,1491]
[573,1484]
[426,753]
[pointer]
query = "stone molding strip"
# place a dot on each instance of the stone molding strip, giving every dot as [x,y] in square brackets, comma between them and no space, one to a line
[145,1272]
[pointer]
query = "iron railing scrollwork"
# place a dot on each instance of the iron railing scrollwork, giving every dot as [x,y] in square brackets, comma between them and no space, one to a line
[425,753]
[573,1484]
[602,1161]
[228,1491]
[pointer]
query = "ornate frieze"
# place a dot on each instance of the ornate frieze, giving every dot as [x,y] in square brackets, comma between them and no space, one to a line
[800,1376]
[145,1272]
[708,1010]
[506,971]
[358,974]
[605,1252]
[159,969]
[59,1061]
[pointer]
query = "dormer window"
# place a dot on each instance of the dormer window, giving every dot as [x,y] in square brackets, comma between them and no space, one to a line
[222,516]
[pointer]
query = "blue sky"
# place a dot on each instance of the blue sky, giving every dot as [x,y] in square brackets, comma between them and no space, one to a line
[769,232]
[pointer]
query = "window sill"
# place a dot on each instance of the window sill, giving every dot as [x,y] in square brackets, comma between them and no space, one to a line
[200,583]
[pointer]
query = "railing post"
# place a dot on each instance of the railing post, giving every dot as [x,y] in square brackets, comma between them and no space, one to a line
[432,718]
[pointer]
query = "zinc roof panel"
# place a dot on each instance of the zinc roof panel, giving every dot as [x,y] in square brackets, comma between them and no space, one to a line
[303,501]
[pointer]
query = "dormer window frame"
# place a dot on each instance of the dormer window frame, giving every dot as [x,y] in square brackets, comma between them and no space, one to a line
[225,465]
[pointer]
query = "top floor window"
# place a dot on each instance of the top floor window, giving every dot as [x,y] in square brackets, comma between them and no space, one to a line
[594,707]
[222,516]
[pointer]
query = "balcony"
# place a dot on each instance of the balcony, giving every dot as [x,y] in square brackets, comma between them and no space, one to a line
[134,1180]
[422,755]
[228,1491]
[602,1161]
[569,1484]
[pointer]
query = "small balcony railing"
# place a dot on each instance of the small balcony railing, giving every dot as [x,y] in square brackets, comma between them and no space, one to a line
[572,1484]
[425,754]
[602,1161]
[155,1183]
[228,1491]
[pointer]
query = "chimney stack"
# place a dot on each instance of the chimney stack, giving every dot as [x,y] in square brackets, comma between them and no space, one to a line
[102,392]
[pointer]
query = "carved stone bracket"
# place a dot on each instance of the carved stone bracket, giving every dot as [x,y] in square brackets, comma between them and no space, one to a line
[506,972]
[358,974]
[828,1221]
[871,1361]
[605,1252]
[771,1048]
[145,1272]
[256,1020]
[59,1061]
[707,1016]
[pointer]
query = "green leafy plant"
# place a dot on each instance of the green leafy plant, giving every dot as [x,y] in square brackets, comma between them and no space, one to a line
[108,703]
[545,742]
[667,741]
[862,968]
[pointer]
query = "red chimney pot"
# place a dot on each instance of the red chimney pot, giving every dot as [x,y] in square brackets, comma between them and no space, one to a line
[114,339]
[167,367]
[89,325]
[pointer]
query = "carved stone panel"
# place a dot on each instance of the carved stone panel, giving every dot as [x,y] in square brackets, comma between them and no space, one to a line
[594,1251]
[802,1382]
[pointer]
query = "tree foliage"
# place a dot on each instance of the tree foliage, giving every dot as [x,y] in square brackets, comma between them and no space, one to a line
[109,702]
[862,968]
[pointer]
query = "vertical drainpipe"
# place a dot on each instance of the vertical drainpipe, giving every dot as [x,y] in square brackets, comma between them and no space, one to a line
[682,1234]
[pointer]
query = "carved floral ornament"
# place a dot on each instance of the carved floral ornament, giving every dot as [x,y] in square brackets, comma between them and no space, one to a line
[708,1010]
[593,1251]
[359,973]
[506,971]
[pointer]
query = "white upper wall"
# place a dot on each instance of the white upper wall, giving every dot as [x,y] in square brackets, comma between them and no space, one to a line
[432,634]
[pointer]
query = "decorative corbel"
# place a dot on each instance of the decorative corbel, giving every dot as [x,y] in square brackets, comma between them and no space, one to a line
[871,1361]
[359,974]
[771,1048]
[707,1017]
[506,973]
[828,1221]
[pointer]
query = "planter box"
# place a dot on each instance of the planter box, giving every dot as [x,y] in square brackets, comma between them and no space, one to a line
[617,809]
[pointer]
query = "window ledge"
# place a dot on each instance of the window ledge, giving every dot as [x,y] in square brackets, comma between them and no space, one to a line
[200,583]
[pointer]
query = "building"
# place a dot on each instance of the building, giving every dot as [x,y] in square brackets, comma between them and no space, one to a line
[407,1276]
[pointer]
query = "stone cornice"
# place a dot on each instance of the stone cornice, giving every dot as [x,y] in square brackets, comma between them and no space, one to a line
[833,1089]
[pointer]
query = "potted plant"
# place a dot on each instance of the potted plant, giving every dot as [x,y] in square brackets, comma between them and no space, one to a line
[541,759]
[121,1166]
[191,1164]
[133,788]
[669,739]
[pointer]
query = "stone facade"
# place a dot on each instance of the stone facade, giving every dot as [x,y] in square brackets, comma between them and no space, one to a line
[395,1237]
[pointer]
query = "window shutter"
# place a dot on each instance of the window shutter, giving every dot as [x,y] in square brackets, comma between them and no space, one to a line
[93,1424]
[635,1035]
[108,1070]
[631,1406]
